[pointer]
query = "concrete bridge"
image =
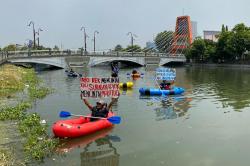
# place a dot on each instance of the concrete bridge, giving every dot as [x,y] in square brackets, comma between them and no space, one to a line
[69,58]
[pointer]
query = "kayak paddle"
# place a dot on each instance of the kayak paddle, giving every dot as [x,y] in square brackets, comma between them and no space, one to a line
[112,119]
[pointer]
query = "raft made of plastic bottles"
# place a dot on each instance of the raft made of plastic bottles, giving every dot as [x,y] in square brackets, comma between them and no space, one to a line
[126,85]
[159,92]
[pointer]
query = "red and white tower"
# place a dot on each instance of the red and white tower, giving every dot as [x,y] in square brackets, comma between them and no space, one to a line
[182,35]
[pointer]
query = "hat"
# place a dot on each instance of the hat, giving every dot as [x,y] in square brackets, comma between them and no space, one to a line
[100,102]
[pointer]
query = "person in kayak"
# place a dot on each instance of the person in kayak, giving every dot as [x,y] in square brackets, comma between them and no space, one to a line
[168,86]
[165,85]
[100,110]
[114,68]
[71,71]
[114,75]
[134,72]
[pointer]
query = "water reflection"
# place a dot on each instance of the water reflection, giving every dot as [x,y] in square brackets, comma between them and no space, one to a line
[229,87]
[98,148]
[128,92]
[172,108]
[169,107]
[105,155]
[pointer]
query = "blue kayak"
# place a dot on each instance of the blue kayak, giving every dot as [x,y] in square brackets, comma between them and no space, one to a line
[159,92]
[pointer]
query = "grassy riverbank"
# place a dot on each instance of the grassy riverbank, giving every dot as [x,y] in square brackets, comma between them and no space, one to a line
[37,144]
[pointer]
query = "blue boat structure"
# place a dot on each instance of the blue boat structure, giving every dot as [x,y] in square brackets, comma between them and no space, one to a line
[159,92]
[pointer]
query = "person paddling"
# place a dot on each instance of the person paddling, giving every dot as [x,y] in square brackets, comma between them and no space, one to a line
[100,110]
[71,71]
[134,71]
[163,84]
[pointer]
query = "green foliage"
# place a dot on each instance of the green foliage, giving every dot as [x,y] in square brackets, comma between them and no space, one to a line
[37,143]
[7,158]
[232,46]
[14,113]
[39,93]
[56,48]
[10,47]
[163,40]
[118,48]
[134,48]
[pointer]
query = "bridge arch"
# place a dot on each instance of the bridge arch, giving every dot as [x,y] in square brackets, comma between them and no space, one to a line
[177,59]
[98,60]
[56,61]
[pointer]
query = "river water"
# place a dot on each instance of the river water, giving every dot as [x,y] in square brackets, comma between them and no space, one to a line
[207,126]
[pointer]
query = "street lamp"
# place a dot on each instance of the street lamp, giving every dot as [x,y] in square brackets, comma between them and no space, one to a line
[34,32]
[39,30]
[96,32]
[132,36]
[85,38]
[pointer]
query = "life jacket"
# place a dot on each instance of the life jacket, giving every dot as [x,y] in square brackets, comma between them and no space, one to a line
[167,87]
[99,112]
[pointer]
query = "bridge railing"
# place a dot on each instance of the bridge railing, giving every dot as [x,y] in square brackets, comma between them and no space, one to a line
[37,53]
[3,56]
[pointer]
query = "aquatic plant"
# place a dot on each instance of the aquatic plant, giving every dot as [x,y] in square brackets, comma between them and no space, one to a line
[7,158]
[13,79]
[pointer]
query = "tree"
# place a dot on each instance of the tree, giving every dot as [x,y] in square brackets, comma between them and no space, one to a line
[56,48]
[210,51]
[118,48]
[134,48]
[164,41]
[10,47]
[197,50]
[240,40]
[224,49]
[232,46]
[223,29]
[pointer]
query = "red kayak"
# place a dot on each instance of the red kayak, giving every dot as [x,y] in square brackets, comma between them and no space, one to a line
[81,126]
[67,145]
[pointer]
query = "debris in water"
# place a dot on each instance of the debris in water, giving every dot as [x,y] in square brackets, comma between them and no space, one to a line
[43,121]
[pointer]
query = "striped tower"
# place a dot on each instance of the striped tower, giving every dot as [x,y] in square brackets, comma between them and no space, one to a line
[182,35]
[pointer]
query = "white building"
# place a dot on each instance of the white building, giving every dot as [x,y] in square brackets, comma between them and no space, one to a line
[211,35]
[194,29]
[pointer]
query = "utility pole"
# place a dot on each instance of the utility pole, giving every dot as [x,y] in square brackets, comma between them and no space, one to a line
[34,33]
[85,38]
[96,32]
[38,42]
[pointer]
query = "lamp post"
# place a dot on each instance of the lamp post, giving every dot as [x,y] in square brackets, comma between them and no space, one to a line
[85,38]
[96,32]
[132,36]
[39,30]
[34,33]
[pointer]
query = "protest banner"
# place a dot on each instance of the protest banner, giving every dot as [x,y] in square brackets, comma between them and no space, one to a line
[165,74]
[95,87]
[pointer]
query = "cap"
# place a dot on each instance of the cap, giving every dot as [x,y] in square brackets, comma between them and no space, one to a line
[100,102]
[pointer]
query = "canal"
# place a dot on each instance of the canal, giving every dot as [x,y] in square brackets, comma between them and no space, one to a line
[208,125]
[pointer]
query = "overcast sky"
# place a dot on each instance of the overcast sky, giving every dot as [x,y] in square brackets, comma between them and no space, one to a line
[61,20]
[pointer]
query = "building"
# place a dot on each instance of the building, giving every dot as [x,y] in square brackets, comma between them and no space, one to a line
[150,45]
[211,35]
[183,35]
[194,29]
